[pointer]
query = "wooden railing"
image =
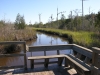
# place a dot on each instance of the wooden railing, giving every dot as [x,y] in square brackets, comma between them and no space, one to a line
[96,60]
[82,53]
[14,55]
[88,61]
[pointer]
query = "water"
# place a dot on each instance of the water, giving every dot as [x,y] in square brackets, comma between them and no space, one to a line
[43,39]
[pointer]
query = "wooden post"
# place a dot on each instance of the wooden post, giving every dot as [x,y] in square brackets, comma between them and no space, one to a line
[60,60]
[86,60]
[25,60]
[58,52]
[95,57]
[32,64]
[66,62]
[78,55]
[46,62]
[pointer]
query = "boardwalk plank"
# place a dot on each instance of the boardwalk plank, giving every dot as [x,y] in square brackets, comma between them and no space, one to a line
[51,70]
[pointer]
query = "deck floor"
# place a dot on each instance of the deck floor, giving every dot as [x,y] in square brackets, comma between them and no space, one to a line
[51,70]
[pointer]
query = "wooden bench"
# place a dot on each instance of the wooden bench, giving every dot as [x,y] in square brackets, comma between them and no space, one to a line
[56,48]
[80,61]
[69,60]
[80,67]
[46,62]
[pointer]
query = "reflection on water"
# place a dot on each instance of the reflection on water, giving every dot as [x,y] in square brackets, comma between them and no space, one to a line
[47,39]
[43,39]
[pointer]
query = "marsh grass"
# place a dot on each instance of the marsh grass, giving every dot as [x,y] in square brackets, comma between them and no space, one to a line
[10,34]
[84,38]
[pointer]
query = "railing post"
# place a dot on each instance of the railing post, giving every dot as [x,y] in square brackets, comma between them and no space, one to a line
[25,59]
[95,57]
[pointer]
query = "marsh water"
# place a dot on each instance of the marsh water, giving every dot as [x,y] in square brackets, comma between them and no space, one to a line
[43,39]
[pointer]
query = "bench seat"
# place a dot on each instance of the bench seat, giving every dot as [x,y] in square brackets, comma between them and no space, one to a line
[46,62]
[69,60]
[45,57]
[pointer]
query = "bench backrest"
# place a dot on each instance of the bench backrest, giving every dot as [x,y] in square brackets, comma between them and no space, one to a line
[83,53]
[82,50]
[50,48]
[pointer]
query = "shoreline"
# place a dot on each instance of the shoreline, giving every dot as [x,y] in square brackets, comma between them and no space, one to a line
[83,38]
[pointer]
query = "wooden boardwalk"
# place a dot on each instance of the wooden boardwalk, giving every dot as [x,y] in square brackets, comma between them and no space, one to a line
[83,60]
[51,70]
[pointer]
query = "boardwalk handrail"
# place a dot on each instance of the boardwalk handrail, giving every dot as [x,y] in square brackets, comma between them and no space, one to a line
[82,50]
[89,54]
[14,55]
[49,47]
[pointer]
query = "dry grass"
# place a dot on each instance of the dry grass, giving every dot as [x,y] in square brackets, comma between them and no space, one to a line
[8,33]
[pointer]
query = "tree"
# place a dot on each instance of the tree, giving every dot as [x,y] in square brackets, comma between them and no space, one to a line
[19,22]
[98,19]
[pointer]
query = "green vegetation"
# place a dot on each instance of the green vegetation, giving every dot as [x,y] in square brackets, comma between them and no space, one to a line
[84,38]
[19,22]
[86,34]
[91,22]
[17,31]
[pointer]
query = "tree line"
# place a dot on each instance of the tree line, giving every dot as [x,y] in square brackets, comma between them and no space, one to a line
[91,22]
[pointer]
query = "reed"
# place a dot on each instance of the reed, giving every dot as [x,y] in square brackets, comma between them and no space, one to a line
[84,38]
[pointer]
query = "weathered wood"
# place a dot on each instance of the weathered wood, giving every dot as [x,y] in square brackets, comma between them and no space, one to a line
[96,50]
[45,57]
[66,63]
[50,48]
[60,60]
[11,55]
[46,62]
[81,62]
[86,60]
[82,50]
[15,55]
[95,59]
[44,53]
[12,42]
[50,62]
[32,64]
[79,68]
[58,52]
[91,68]
[25,60]
[78,55]
[11,67]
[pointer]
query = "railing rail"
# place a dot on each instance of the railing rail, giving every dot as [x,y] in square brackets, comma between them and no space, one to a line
[14,55]
[49,48]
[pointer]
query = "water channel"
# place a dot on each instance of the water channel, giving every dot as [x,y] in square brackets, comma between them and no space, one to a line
[43,39]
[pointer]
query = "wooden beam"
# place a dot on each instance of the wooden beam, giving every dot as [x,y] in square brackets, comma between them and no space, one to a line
[25,58]
[45,57]
[60,60]
[46,62]
[11,67]
[50,48]
[12,42]
[32,64]
[96,50]
[11,55]
[82,50]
